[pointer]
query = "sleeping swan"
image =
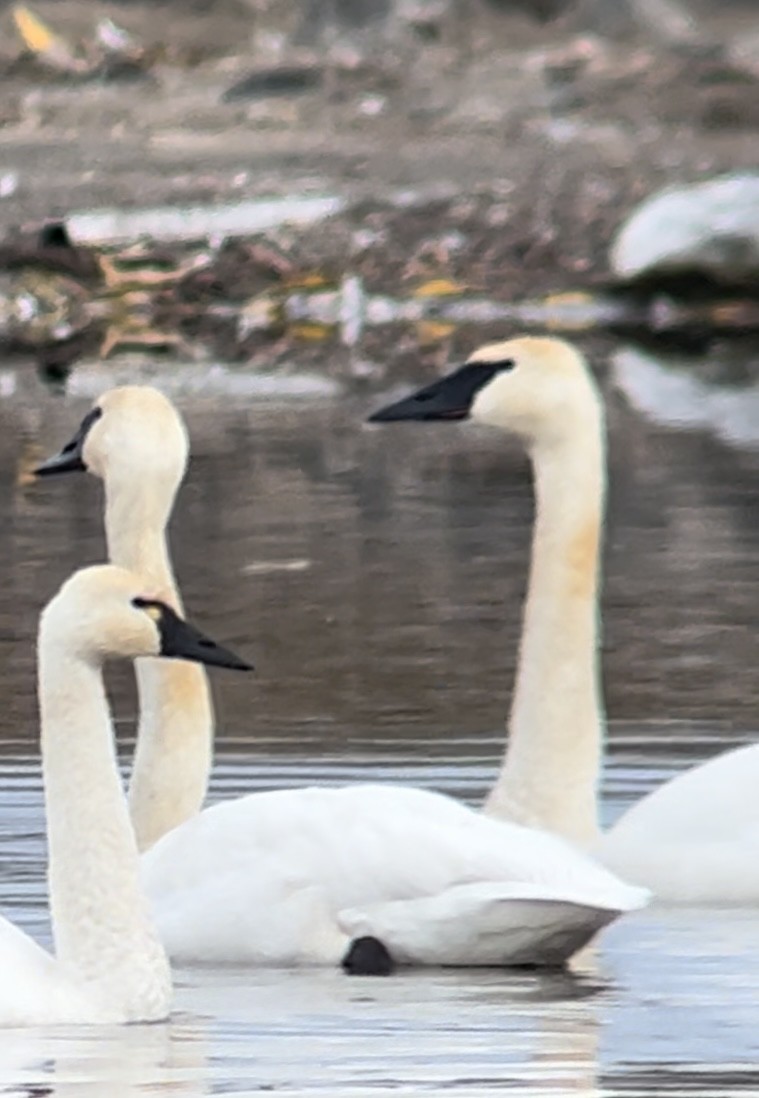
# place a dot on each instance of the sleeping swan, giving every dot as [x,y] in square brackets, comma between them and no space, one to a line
[694,839]
[321,876]
[109,965]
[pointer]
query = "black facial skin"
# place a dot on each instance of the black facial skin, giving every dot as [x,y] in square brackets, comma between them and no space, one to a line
[450,398]
[180,640]
[70,460]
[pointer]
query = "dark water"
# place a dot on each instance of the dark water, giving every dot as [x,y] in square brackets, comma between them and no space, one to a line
[375,577]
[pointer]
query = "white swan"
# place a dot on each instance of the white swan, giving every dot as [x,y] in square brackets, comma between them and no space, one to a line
[140,449]
[292,877]
[109,965]
[694,839]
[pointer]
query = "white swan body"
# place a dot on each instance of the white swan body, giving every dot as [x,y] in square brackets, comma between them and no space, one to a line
[291,877]
[109,965]
[304,871]
[36,989]
[695,839]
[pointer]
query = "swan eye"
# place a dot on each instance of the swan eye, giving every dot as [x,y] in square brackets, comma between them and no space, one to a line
[77,442]
[154,610]
[485,370]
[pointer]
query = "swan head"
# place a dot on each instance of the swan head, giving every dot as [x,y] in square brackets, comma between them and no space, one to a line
[536,387]
[104,612]
[132,433]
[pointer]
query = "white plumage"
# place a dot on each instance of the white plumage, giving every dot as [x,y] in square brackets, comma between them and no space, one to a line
[695,839]
[289,877]
[109,965]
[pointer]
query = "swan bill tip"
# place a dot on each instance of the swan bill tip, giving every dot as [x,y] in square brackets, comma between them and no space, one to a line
[367,956]
[60,463]
[71,458]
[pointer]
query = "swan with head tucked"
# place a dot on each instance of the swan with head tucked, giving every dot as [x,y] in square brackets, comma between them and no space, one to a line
[109,965]
[318,875]
[694,839]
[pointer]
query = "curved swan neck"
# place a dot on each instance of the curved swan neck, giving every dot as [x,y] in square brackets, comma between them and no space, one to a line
[174,752]
[551,770]
[102,929]
[135,529]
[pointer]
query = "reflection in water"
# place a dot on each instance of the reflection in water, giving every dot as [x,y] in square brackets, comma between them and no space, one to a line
[314,1032]
[323,1033]
[677,392]
[118,1061]
[413,550]
[375,578]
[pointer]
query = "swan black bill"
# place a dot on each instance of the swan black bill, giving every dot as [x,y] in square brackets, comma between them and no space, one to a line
[182,641]
[450,398]
[69,459]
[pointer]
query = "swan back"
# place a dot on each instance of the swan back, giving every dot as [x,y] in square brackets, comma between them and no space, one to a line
[694,839]
[262,878]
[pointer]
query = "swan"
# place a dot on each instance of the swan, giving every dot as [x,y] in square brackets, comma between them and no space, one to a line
[109,965]
[137,443]
[694,839]
[366,875]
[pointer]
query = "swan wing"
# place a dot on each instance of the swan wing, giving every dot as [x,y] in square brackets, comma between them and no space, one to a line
[265,877]
[481,924]
[270,918]
[695,839]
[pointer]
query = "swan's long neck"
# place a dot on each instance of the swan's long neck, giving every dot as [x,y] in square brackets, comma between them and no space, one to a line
[173,756]
[551,770]
[103,933]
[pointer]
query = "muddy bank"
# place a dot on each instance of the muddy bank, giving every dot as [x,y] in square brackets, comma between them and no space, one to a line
[502,160]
